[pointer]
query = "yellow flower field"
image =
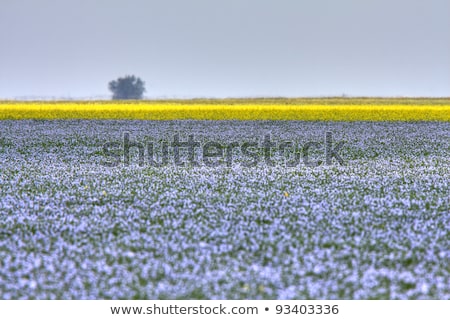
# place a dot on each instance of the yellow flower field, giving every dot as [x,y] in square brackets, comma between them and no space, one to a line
[256,109]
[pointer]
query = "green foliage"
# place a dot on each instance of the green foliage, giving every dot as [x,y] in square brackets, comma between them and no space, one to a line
[127,88]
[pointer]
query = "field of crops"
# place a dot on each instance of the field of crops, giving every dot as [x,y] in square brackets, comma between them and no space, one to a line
[331,109]
[376,226]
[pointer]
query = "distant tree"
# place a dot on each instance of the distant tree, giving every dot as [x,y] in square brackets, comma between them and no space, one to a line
[126,88]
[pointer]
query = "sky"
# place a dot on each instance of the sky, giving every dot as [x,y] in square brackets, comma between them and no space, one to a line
[226,48]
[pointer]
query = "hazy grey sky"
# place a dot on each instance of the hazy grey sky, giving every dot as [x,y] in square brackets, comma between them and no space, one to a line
[212,48]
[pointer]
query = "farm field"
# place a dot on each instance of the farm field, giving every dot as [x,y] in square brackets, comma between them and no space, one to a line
[325,109]
[374,227]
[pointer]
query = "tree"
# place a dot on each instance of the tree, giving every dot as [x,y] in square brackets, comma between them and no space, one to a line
[128,87]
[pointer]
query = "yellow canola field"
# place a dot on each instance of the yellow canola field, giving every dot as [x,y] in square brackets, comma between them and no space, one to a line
[146,110]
